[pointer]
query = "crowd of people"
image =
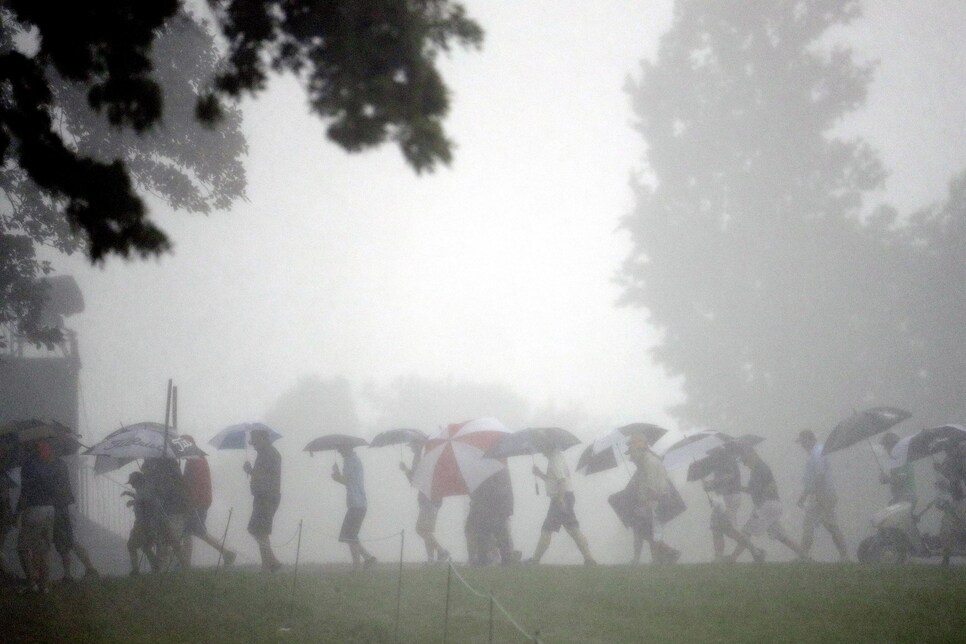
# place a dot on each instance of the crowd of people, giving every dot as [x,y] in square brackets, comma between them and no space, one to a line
[170,507]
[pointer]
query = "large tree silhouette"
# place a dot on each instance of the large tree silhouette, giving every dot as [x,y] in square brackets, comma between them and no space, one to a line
[368,68]
[780,304]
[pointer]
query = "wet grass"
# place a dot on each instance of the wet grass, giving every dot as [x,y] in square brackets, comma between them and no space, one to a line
[695,603]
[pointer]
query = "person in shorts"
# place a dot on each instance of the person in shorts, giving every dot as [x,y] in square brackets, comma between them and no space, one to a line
[560,514]
[143,538]
[767,512]
[724,491]
[63,536]
[163,477]
[648,485]
[818,496]
[35,507]
[266,488]
[352,478]
[428,511]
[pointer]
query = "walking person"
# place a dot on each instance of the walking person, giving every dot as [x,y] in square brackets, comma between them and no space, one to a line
[143,537]
[818,496]
[197,481]
[766,515]
[648,486]
[352,478]
[724,493]
[901,480]
[35,508]
[163,478]
[488,521]
[64,539]
[266,488]
[428,511]
[561,513]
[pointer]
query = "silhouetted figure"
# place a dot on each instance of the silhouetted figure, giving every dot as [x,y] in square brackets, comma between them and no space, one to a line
[163,477]
[952,530]
[266,487]
[488,521]
[143,537]
[648,486]
[766,515]
[197,482]
[35,507]
[818,496]
[65,542]
[352,477]
[901,480]
[428,511]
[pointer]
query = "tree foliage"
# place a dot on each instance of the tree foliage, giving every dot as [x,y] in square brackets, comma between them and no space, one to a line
[781,303]
[99,102]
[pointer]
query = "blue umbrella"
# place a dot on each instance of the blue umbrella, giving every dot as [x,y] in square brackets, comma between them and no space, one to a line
[236,436]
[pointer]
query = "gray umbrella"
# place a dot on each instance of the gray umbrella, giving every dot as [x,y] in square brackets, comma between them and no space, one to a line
[334,441]
[399,437]
[532,440]
[862,425]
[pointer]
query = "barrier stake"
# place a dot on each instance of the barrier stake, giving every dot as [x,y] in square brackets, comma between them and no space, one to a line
[224,537]
[402,544]
[449,576]
[490,640]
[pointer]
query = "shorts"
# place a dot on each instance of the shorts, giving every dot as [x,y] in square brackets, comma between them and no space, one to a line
[63,533]
[264,507]
[820,510]
[766,518]
[724,511]
[195,523]
[426,521]
[36,529]
[561,514]
[351,525]
[143,535]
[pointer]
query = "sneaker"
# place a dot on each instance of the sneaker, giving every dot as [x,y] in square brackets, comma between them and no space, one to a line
[758,555]
[369,563]
[67,580]
[275,566]
[91,573]
[671,556]
[590,562]
[229,557]
[443,555]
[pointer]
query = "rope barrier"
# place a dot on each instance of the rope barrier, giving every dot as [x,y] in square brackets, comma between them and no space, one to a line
[394,535]
[295,534]
[490,597]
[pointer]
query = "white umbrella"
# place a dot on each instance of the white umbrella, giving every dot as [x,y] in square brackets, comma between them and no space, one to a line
[141,440]
[682,450]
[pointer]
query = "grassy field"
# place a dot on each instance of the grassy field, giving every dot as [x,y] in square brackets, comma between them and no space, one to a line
[693,603]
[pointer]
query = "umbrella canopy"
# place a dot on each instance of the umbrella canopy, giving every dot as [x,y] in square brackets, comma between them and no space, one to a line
[236,436]
[334,441]
[399,437]
[863,425]
[20,432]
[689,448]
[453,461]
[925,443]
[141,440]
[533,440]
[604,453]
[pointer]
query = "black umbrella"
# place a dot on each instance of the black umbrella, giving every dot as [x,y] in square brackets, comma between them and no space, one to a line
[718,456]
[926,443]
[863,425]
[599,455]
[649,432]
[532,440]
[334,441]
[399,437]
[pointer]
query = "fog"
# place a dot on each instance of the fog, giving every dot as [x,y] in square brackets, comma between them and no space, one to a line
[386,299]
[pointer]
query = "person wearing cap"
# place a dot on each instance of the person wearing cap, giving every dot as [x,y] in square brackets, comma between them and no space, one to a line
[901,480]
[648,485]
[818,496]
[35,507]
[266,488]
[147,515]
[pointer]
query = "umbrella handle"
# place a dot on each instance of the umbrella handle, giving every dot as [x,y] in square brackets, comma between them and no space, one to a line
[876,457]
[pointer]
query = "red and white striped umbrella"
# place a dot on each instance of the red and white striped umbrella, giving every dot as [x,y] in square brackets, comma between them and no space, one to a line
[453,462]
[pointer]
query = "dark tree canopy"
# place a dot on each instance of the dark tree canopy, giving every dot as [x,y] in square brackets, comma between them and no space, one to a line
[99,101]
[780,302]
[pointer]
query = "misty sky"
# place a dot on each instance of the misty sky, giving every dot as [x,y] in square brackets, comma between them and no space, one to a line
[498,269]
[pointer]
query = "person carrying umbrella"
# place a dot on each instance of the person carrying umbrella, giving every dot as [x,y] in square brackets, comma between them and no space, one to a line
[35,507]
[561,511]
[266,488]
[724,489]
[953,470]
[767,513]
[900,479]
[818,496]
[648,485]
[64,540]
[428,511]
[144,533]
[488,520]
[353,479]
